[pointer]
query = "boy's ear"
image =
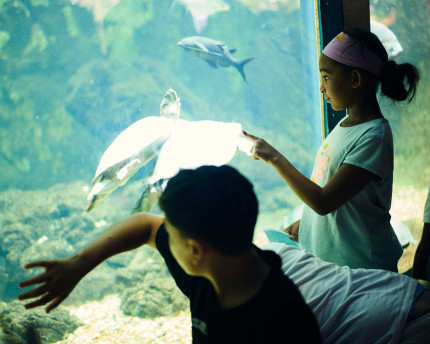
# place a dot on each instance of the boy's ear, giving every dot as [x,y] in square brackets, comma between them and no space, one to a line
[356,78]
[198,249]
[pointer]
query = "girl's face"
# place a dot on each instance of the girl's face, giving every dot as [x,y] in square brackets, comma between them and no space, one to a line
[335,83]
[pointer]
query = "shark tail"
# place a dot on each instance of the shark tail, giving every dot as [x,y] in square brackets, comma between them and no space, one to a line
[241,64]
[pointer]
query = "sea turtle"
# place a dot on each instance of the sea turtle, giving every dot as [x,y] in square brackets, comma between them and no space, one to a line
[193,144]
[133,148]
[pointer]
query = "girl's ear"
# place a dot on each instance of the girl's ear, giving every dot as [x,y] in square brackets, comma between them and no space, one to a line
[356,78]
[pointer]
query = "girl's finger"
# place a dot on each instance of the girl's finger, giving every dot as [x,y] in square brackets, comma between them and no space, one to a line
[249,136]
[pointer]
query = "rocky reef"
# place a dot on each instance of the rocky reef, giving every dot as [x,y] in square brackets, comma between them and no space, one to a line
[21,326]
[49,224]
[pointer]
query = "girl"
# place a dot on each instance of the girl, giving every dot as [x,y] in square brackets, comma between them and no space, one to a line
[346,219]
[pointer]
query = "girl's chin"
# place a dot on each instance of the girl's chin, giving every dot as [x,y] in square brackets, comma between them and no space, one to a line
[336,108]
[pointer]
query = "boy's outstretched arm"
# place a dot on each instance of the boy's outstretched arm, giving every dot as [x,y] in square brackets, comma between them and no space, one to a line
[62,275]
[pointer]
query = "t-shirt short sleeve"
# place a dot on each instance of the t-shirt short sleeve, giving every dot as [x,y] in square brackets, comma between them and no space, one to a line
[372,153]
[181,278]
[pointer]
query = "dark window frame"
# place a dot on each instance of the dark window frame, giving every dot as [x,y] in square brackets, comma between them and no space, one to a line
[333,17]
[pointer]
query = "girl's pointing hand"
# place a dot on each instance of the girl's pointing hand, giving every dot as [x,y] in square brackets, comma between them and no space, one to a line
[261,149]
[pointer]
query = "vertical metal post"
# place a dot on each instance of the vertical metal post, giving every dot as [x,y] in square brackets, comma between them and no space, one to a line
[335,16]
[331,19]
[356,14]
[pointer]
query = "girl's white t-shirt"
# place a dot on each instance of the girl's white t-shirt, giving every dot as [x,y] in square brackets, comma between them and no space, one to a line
[358,234]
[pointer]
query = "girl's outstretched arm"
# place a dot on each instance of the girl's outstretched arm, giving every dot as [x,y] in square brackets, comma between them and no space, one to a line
[344,185]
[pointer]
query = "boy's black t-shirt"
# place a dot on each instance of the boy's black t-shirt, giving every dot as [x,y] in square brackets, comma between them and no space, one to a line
[276,314]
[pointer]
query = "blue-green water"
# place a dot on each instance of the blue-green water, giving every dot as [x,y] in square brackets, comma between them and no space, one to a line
[71,84]
[75,74]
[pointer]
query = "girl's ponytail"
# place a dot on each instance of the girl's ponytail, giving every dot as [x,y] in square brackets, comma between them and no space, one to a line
[399,81]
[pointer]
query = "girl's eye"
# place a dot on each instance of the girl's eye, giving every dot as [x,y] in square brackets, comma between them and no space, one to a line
[324,77]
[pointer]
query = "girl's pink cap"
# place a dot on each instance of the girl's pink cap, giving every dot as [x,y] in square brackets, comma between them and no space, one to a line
[347,50]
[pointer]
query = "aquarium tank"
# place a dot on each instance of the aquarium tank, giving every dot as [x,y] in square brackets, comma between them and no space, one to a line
[79,81]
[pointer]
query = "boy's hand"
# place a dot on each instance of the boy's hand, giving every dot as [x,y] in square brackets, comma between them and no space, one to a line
[58,281]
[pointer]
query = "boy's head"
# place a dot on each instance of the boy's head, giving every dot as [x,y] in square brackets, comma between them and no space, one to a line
[215,204]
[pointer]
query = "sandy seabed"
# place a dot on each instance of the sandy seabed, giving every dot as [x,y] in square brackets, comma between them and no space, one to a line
[104,323]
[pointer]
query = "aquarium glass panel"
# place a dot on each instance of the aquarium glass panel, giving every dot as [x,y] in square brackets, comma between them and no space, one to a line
[85,122]
[404,29]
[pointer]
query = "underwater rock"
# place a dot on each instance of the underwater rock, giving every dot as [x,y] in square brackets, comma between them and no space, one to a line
[14,239]
[153,298]
[118,274]
[149,291]
[17,323]
[145,264]
[95,286]
[45,248]
[46,224]
[49,224]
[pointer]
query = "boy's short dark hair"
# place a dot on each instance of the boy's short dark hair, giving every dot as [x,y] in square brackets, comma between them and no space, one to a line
[216,204]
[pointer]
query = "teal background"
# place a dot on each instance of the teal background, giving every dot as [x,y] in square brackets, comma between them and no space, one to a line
[70,85]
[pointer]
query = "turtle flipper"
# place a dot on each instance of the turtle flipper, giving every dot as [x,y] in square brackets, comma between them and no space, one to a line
[149,197]
[106,183]
[118,174]
[98,192]
[128,170]
[90,205]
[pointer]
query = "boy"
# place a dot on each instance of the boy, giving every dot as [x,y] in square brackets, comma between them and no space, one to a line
[237,292]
